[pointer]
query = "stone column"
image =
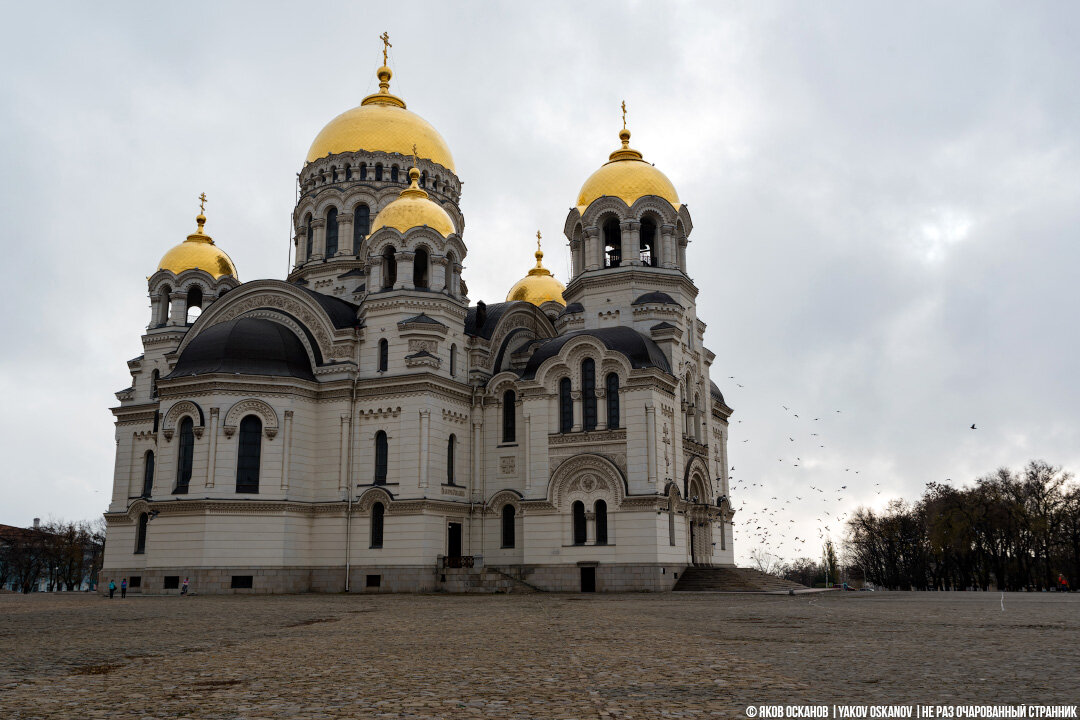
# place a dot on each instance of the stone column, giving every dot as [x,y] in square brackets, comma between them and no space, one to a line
[437,281]
[593,251]
[601,407]
[404,270]
[477,453]
[286,450]
[211,462]
[318,244]
[345,233]
[178,308]
[631,250]
[299,248]
[682,254]
[527,446]
[650,440]
[455,281]
[343,461]
[425,428]
[375,271]
[667,246]
[579,409]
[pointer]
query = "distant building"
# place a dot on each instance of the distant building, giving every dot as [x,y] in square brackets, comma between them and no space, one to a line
[361,426]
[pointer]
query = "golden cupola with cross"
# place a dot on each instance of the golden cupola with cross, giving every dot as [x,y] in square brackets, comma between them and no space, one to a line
[198,252]
[381,123]
[539,286]
[413,208]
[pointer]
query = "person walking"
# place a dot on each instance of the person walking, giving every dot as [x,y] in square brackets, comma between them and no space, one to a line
[123,588]
[183,590]
[112,588]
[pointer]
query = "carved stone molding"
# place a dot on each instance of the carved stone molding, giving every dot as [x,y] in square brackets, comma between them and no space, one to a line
[252,406]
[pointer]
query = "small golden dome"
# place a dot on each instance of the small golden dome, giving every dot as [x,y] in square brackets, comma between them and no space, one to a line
[198,252]
[412,209]
[381,123]
[539,286]
[628,177]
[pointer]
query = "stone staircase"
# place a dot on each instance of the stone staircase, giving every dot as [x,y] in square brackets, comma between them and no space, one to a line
[732,579]
[480,580]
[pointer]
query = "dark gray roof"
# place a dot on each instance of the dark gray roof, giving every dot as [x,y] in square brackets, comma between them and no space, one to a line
[663,326]
[573,308]
[421,318]
[714,390]
[640,350]
[494,312]
[300,281]
[245,346]
[655,298]
[342,314]
[419,354]
[352,273]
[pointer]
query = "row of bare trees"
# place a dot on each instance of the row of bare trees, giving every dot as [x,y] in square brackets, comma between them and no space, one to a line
[1010,530]
[60,553]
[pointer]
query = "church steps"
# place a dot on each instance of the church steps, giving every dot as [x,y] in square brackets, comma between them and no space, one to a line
[732,579]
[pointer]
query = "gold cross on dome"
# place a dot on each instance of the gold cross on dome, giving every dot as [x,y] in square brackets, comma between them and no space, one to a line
[537,239]
[202,202]
[385,37]
[415,162]
[623,114]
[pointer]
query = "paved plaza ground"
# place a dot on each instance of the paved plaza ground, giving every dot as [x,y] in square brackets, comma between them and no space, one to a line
[525,656]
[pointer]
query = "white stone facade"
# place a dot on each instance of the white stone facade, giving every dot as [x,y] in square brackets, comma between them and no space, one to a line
[304,359]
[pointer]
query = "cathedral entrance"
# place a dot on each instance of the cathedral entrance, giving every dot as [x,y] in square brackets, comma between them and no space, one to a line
[588,579]
[453,540]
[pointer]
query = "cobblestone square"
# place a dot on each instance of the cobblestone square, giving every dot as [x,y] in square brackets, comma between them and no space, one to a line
[528,656]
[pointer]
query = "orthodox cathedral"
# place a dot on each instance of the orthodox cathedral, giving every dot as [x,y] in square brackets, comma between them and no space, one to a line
[361,426]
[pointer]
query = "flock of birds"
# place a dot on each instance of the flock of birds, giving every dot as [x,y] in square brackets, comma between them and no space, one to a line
[789,524]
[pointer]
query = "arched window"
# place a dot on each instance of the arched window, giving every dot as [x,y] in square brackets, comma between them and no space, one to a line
[382,452]
[421,263]
[248,455]
[450,459]
[588,393]
[194,304]
[310,237]
[423,179]
[453,360]
[186,454]
[393,174]
[384,355]
[331,232]
[378,171]
[448,276]
[140,534]
[348,172]
[148,474]
[612,243]
[377,511]
[508,515]
[389,268]
[361,225]
[435,183]
[648,242]
[153,383]
[578,512]
[164,305]
[509,419]
[363,171]
[601,522]
[566,406]
[612,392]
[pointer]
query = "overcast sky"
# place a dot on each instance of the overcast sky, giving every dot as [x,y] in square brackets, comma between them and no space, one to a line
[885,203]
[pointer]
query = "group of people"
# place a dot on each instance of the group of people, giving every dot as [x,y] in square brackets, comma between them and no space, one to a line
[124,587]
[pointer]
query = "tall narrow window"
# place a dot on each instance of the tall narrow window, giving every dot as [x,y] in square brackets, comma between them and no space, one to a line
[164,303]
[566,406]
[509,420]
[648,242]
[389,268]
[186,454]
[612,243]
[382,452]
[248,455]
[363,171]
[612,392]
[393,174]
[421,263]
[361,225]
[331,232]
[384,355]
[423,179]
[153,383]
[377,511]
[450,459]
[378,171]
[194,304]
[588,393]
[148,474]
[508,516]
[453,360]
[140,534]
[601,522]
[578,512]
[310,237]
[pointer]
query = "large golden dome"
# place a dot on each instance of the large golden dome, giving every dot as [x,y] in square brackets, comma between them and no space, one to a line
[198,252]
[628,177]
[539,286]
[381,123]
[413,208]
